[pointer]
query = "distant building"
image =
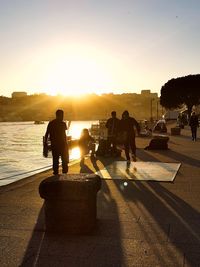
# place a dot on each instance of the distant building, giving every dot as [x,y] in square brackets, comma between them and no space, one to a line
[18,94]
[147,93]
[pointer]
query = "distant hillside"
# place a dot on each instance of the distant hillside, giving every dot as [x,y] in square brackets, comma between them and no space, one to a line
[90,107]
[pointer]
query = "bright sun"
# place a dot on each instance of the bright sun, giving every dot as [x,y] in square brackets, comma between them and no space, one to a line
[76,74]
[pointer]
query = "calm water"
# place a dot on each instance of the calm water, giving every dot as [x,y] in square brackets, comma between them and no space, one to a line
[21,149]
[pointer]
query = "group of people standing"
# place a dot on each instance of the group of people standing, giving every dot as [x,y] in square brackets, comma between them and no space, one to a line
[123,131]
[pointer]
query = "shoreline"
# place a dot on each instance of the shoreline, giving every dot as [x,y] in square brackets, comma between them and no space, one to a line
[21,150]
[31,178]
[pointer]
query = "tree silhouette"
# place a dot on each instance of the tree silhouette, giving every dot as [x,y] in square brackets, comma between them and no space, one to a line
[179,91]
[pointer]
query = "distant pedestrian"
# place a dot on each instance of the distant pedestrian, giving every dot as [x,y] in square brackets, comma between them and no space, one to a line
[127,127]
[56,130]
[113,126]
[194,123]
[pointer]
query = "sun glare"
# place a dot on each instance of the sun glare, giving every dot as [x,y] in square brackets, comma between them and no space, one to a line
[76,75]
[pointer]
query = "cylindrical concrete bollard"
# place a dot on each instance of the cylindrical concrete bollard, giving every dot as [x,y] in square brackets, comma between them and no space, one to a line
[70,202]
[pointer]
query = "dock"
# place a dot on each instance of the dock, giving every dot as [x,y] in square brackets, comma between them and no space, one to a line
[140,223]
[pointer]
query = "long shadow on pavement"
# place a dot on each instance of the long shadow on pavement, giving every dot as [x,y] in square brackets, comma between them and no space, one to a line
[181,158]
[168,223]
[168,227]
[176,156]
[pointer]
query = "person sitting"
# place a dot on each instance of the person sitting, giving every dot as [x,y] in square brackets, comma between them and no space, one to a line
[86,143]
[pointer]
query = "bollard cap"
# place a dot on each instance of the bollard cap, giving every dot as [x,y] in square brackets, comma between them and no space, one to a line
[70,186]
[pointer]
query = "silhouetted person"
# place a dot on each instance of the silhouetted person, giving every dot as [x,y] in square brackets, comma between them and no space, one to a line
[194,123]
[86,143]
[113,126]
[127,127]
[56,130]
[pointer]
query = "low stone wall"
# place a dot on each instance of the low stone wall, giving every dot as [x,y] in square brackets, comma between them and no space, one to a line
[70,202]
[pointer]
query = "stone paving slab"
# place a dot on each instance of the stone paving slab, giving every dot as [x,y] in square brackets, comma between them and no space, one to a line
[13,246]
[140,171]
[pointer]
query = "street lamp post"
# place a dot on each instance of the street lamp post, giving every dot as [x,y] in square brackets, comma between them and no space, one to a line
[151,111]
[157,108]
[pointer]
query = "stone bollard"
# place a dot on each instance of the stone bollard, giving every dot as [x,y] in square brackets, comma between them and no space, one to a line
[70,202]
[176,131]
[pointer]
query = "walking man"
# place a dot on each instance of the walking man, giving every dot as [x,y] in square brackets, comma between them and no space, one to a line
[56,130]
[194,123]
[112,125]
[127,128]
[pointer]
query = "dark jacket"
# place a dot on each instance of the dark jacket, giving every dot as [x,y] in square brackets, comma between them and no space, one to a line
[57,131]
[127,125]
[113,125]
[194,122]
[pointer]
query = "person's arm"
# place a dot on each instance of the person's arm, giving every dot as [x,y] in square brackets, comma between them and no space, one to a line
[137,125]
[138,128]
[107,123]
[45,145]
[197,121]
[68,125]
[190,121]
[46,135]
[65,133]
[65,127]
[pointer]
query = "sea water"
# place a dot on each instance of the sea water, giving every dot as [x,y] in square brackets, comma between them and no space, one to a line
[21,149]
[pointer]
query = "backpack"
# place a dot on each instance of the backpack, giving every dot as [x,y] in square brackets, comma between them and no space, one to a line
[158,142]
[102,148]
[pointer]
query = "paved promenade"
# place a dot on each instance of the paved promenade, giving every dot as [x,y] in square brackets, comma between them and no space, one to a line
[140,224]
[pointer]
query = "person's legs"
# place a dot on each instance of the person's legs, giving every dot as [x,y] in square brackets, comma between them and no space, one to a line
[109,142]
[55,156]
[193,133]
[91,147]
[65,160]
[83,150]
[114,146]
[132,145]
[126,148]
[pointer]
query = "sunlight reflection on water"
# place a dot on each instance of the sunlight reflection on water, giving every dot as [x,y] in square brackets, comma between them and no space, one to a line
[75,153]
[77,126]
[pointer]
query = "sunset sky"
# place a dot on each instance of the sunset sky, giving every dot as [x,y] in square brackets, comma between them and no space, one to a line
[100,46]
